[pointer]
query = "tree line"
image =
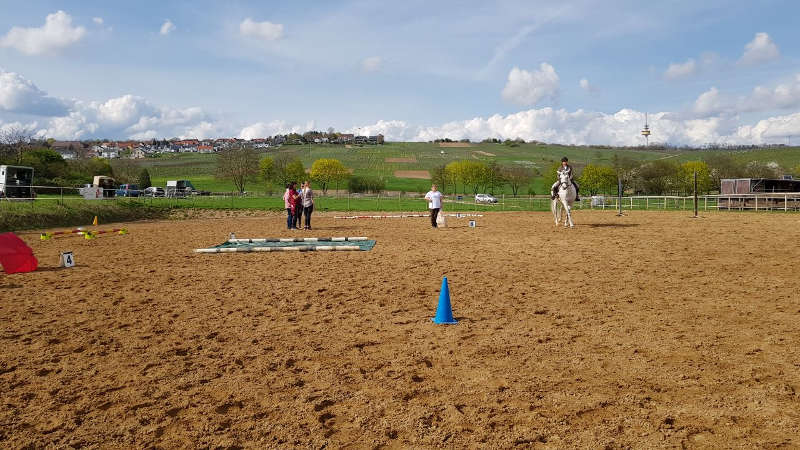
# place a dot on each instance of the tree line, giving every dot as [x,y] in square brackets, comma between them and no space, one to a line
[656,177]
[668,177]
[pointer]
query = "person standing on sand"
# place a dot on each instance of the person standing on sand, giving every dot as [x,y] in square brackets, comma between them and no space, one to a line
[298,208]
[434,198]
[288,203]
[308,203]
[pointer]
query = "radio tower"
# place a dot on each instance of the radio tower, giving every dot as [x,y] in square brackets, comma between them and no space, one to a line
[646,132]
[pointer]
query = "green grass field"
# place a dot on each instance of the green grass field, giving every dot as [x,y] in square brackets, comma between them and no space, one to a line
[371,161]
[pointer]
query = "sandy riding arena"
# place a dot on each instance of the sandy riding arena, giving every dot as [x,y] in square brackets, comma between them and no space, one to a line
[650,330]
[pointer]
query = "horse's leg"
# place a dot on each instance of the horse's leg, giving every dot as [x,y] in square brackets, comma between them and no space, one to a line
[569,216]
[554,209]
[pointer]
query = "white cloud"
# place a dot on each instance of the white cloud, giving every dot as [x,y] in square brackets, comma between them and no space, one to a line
[529,88]
[267,31]
[398,129]
[56,34]
[586,85]
[771,129]
[781,96]
[131,116]
[761,49]
[20,95]
[681,70]
[586,127]
[167,27]
[17,126]
[97,20]
[262,129]
[371,64]
[708,103]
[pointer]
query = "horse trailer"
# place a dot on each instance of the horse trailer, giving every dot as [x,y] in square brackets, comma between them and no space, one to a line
[16,182]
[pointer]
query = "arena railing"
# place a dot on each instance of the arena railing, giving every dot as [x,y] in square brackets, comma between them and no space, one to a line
[401,201]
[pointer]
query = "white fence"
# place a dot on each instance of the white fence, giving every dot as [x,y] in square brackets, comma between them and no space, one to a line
[789,201]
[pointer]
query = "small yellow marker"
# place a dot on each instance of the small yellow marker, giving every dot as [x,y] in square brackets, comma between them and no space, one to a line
[94,222]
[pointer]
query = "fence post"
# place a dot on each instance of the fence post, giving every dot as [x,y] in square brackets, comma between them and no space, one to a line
[503,205]
[665,202]
[756,196]
[647,203]
[379,201]
[785,201]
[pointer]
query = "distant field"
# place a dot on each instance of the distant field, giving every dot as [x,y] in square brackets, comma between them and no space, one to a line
[383,161]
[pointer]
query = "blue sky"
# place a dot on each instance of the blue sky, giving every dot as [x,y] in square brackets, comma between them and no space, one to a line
[582,72]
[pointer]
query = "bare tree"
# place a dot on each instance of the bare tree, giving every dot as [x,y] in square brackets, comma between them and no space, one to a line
[14,140]
[517,176]
[238,164]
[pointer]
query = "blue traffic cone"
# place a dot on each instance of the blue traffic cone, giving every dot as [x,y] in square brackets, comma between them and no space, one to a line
[444,313]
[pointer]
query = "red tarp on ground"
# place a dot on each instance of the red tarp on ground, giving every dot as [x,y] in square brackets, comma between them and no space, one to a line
[15,255]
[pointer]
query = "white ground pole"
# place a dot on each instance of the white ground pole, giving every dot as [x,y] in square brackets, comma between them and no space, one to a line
[403,216]
[304,248]
[309,239]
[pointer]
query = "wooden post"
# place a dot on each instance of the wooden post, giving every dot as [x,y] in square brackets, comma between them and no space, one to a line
[785,202]
[619,197]
[695,193]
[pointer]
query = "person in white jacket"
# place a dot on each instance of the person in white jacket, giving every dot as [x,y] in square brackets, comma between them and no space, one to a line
[434,198]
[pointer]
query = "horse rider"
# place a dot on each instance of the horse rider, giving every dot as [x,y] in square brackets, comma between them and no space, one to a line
[565,167]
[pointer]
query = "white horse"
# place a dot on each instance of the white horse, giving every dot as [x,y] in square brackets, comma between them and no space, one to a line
[566,196]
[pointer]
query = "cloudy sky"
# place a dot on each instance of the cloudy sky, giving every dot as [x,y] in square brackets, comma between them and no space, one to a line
[576,72]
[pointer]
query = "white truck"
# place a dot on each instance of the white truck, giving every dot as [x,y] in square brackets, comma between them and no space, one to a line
[16,182]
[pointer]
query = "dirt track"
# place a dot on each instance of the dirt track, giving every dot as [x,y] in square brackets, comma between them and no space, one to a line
[651,330]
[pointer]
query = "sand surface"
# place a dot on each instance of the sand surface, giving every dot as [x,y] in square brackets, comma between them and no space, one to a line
[651,330]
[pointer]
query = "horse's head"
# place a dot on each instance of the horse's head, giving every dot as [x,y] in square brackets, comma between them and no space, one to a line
[563,179]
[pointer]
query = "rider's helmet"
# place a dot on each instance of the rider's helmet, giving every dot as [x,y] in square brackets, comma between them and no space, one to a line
[565,159]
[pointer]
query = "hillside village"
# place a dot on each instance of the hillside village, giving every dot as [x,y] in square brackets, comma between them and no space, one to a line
[135,149]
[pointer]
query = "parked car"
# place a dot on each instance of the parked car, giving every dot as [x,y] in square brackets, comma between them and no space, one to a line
[485,198]
[127,190]
[182,188]
[153,191]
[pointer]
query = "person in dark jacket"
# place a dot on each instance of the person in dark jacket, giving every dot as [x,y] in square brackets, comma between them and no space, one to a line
[565,167]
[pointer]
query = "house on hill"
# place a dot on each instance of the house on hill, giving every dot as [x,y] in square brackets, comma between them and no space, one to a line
[345,138]
[69,149]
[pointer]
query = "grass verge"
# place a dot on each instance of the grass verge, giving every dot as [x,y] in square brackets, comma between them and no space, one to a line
[50,214]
